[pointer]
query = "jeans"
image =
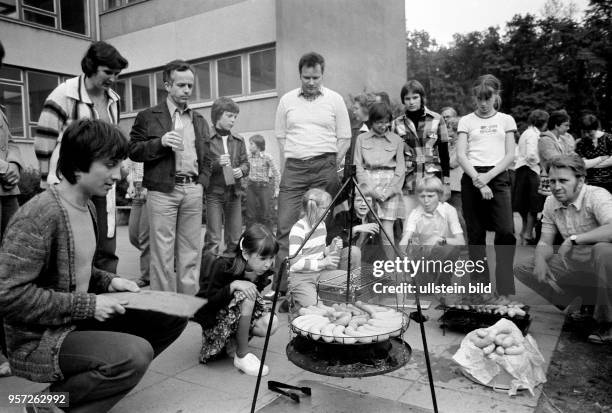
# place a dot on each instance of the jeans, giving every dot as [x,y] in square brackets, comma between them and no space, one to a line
[102,361]
[298,177]
[258,204]
[587,279]
[105,258]
[496,214]
[175,226]
[138,228]
[222,210]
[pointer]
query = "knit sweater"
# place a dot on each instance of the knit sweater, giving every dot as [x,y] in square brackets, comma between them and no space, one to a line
[38,297]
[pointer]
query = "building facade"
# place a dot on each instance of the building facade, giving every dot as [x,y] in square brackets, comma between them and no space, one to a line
[244,49]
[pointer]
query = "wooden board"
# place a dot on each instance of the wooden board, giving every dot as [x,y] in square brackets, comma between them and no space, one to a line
[181,305]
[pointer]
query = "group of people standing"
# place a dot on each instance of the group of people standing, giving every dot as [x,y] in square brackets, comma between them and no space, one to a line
[58,253]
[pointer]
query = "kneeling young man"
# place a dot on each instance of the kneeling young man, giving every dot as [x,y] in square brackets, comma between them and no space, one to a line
[59,328]
[582,266]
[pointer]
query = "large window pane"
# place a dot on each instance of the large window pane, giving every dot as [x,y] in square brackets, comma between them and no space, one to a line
[40,85]
[119,87]
[111,4]
[41,4]
[8,8]
[160,90]
[230,76]
[263,70]
[140,92]
[202,82]
[10,73]
[11,97]
[39,18]
[73,16]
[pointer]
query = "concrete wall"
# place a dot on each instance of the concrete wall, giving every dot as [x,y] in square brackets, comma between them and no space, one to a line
[363,42]
[152,13]
[237,26]
[40,49]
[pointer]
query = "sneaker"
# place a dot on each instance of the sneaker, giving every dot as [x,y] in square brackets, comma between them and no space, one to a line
[249,364]
[143,283]
[269,296]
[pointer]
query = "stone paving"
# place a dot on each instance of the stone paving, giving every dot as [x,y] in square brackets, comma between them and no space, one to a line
[176,382]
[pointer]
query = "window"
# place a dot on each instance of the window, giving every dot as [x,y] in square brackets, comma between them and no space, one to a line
[73,14]
[40,85]
[114,4]
[140,92]
[11,97]
[66,15]
[145,89]
[202,82]
[229,75]
[8,8]
[262,70]
[10,73]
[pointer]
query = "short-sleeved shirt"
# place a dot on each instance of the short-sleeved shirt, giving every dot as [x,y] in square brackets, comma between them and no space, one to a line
[585,148]
[486,137]
[592,209]
[443,222]
[311,127]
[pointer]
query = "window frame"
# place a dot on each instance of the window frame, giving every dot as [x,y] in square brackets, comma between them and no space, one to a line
[21,8]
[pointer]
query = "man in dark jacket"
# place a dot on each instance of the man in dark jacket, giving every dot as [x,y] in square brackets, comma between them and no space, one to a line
[60,328]
[173,142]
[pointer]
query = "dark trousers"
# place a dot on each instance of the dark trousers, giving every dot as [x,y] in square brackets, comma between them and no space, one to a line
[8,207]
[102,361]
[258,204]
[494,214]
[105,258]
[298,177]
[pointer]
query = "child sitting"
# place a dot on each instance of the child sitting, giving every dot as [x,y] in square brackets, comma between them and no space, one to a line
[432,222]
[235,309]
[315,260]
[433,230]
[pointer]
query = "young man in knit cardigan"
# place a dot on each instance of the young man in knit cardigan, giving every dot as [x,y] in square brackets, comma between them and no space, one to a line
[59,328]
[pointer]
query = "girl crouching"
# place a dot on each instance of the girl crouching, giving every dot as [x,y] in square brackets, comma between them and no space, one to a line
[235,310]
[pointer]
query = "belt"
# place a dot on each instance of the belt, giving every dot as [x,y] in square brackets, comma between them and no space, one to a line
[483,168]
[184,179]
[258,183]
[379,168]
[313,159]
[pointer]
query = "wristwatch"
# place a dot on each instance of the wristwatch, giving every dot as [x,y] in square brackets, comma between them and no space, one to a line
[573,239]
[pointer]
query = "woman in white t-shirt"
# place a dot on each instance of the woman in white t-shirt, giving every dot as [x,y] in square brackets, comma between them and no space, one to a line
[485,149]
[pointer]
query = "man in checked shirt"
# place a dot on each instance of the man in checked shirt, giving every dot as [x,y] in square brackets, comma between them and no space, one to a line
[259,188]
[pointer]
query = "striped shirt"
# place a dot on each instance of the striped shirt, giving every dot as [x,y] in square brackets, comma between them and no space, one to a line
[68,102]
[261,166]
[314,250]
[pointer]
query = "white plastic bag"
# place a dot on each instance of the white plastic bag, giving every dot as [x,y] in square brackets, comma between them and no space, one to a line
[511,372]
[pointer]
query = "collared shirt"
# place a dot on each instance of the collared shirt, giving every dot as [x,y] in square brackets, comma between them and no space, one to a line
[373,151]
[186,160]
[586,149]
[443,222]
[261,166]
[592,209]
[423,145]
[310,97]
[311,128]
[527,150]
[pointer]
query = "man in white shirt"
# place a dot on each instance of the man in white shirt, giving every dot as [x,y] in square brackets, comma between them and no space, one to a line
[314,132]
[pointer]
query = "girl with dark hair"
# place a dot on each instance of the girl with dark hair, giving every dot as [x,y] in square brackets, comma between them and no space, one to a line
[379,158]
[235,309]
[485,150]
[595,148]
